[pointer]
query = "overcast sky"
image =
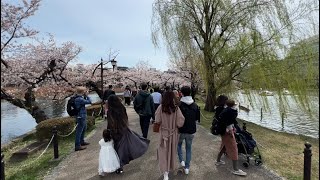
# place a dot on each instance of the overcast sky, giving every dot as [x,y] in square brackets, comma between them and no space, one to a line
[100,25]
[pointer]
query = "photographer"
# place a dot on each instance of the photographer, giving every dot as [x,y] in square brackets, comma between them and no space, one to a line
[81,100]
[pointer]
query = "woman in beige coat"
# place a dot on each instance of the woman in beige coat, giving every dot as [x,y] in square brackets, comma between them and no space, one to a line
[170,118]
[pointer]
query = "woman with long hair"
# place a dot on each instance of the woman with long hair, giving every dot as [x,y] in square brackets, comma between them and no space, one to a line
[127,143]
[170,118]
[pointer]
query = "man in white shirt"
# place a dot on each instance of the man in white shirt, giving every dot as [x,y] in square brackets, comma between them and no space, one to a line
[156,99]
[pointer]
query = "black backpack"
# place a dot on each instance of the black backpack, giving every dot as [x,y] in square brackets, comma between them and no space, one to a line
[71,106]
[217,127]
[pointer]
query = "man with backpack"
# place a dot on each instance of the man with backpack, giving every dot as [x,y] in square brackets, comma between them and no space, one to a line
[190,111]
[81,98]
[143,104]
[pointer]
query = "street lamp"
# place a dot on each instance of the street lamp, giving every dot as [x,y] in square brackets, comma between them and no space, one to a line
[113,63]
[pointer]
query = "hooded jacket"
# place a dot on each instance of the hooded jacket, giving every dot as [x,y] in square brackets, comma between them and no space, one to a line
[143,104]
[191,114]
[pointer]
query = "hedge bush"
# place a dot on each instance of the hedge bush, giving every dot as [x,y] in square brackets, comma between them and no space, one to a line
[93,110]
[64,126]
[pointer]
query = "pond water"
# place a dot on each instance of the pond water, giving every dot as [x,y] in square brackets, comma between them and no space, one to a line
[296,121]
[16,121]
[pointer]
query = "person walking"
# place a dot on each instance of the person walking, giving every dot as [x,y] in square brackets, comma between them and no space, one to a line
[108,158]
[170,118]
[127,96]
[156,96]
[144,106]
[193,92]
[127,143]
[191,113]
[107,93]
[177,97]
[80,101]
[228,142]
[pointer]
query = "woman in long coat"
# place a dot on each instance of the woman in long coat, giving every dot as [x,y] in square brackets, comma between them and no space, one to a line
[170,118]
[127,143]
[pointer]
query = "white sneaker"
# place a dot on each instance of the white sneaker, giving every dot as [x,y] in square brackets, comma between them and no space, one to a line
[239,173]
[183,164]
[186,171]
[219,163]
[166,176]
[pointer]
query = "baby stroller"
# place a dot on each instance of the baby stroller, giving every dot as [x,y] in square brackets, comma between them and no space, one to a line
[246,145]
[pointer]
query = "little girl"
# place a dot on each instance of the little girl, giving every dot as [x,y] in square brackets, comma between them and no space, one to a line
[108,157]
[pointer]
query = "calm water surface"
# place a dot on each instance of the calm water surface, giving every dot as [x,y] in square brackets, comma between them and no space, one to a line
[17,121]
[296,121]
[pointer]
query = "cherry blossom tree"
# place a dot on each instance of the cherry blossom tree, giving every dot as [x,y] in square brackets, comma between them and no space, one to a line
[13,27]
[42,64]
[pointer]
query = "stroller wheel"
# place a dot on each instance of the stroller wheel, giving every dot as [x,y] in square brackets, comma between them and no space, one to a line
[245,164]
[258,162]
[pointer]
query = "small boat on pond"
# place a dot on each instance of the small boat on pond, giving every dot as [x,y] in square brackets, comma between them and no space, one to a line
[286,92]
[266,93]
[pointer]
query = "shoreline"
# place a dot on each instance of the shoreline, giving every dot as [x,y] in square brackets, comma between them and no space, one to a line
[279,131]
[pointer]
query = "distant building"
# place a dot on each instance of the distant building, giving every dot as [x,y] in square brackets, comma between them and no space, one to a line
[169,71]
[121,68]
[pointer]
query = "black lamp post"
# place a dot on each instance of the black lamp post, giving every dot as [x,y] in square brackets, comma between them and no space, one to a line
[113,63]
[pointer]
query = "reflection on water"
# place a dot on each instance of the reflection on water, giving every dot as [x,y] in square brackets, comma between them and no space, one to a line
[17,121]
[296,121]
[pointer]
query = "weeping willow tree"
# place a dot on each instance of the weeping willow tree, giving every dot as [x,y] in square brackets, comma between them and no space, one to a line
[233,37]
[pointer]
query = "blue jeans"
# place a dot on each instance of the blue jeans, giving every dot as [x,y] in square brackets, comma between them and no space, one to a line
[81,129]
[188,139]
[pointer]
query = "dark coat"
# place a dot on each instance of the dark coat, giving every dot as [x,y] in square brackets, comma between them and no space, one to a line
[191,115]
[143,104]
[218,111]
[129,145]
[107,93]
[229,116]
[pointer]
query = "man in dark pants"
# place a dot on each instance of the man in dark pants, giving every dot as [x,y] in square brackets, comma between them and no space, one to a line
[80,101]
[156,96]
[143,105]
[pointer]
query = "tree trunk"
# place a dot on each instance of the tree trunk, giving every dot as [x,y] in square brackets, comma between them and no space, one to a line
[211,98]
[94,87]
[38,114]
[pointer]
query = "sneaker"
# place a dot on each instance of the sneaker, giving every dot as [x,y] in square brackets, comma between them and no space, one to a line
[219,163]
[85,144]
[183,164]
[80,148]
[186,171]
[119,171]
[166,176]
[239,173]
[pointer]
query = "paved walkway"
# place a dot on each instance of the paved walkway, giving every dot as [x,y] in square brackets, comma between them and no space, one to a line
[84,164]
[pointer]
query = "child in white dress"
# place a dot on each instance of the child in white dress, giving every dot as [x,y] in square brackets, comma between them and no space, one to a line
[108,157]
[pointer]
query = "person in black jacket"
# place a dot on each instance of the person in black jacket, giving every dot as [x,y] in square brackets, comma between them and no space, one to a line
[221,103]
[228,142]
[108,92]
[144,106]
[191,113]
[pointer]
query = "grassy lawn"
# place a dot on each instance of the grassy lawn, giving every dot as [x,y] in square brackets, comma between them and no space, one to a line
[281,152]
[30,168]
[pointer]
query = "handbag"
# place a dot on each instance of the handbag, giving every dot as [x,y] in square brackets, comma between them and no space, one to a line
[156,127]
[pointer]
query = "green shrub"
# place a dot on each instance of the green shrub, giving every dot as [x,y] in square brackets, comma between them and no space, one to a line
[93,110]
[64,126]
